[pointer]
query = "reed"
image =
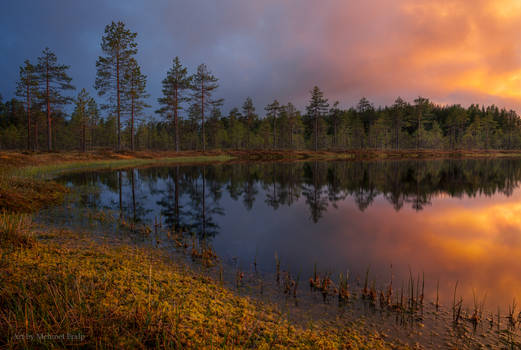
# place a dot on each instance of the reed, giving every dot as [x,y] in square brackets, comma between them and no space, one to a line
[296,287]
[437,295]
[456,306]
[15,229]
[477,313]
[365,291]
[277,267]
[513,318]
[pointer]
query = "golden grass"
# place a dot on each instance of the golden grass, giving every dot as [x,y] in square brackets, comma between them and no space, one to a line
[14,229]
[81,293]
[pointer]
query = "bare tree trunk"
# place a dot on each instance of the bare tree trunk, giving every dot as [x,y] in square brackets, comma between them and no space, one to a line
[28,118]
[176,120]
[132,126]
[202,115]
[119,106]
[49,121]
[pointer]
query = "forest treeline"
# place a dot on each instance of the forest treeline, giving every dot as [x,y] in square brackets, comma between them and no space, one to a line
[190,196]
[190,115]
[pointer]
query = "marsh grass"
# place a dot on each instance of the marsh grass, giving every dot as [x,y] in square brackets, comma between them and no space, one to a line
[14,229]
[51,170]
[27,195]
[127,297]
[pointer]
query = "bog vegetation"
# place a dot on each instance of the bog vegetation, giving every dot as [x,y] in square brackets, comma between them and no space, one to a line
[190,115]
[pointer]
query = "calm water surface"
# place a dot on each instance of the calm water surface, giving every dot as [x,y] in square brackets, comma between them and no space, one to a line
[453,220]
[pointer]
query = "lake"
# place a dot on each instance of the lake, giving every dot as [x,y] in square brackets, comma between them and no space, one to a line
[447,220]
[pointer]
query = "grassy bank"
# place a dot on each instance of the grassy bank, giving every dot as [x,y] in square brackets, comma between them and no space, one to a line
[25,184]
[41,162]
[63,289]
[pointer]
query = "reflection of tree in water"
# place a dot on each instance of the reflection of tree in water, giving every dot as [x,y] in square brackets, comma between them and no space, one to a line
[334,189]
[249,188]
[203,209]
[171,208]
[130,200]
[315,196]
[190,195]
[271,189]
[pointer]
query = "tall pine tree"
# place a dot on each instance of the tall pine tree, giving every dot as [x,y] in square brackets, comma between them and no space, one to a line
[248,110]
[134,93]
[272,112]
[119,46]
[316,109]
[175,85]
[52,82]
[27,89]
[204,84]
[82,117]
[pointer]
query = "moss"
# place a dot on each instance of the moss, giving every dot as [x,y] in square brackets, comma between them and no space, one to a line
[125,297]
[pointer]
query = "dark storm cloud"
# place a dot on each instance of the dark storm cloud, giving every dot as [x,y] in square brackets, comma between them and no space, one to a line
[454,51]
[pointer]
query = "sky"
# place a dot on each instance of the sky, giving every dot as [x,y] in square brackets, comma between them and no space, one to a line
[452,51]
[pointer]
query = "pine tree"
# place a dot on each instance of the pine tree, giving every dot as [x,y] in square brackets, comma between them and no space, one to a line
[27,88]
[272,112]
[52,82]
[119,46]
[293,121]
[94,119]
[194,114]
[81,116]
[134,85]
[397,115]
[235,129]
[204,85]
[367,116]
[422,108]
[249,113]
[335,119]
[175,86]
[316,109]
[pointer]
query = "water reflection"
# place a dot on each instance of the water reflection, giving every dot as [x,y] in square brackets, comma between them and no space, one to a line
[452,219]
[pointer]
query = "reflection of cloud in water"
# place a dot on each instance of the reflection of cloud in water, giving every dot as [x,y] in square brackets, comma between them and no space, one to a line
[476,241]
[345,215]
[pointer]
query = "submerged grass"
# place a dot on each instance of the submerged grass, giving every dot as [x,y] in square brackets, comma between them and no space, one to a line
[83,293]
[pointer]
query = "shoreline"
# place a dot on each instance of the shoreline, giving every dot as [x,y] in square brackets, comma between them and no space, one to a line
[60,288]
[27,261]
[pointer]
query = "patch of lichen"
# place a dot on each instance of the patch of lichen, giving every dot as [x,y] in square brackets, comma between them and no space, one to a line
[127,297]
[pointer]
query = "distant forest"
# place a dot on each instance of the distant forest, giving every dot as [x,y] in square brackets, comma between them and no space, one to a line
[191,116]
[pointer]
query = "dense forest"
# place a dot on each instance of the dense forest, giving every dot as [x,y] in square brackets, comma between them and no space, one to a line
[190,115]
